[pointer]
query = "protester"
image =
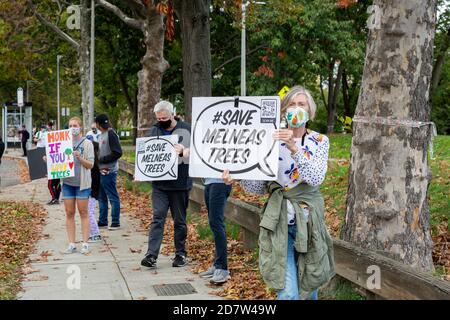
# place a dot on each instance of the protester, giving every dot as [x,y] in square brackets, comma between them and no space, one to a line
[216,195]
[295,249]
[76,190]
[109,153]
[40,137]
[25,135]
[95,187]
[94,132]
[173,194]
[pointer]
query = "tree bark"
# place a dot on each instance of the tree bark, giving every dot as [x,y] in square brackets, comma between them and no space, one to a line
[440,59]
[333,93]
[84,61]
[387,207]
[151,23]
[153,67]
[195,35]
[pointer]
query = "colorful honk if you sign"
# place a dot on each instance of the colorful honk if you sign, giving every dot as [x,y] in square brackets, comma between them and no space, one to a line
[59,152]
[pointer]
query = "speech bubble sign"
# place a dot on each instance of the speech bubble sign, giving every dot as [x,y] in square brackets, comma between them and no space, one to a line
[156,158]
[234,133]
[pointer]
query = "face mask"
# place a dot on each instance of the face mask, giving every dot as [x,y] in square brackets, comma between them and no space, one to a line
[94,130]
[297,117]
[75,131]
[165,124]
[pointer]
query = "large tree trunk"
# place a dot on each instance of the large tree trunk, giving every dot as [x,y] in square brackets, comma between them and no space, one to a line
[153,67]
[195,32]
[387,207]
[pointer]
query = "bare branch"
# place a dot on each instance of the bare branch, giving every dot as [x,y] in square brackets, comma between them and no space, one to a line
[114,9]
[237,57]
[53,27]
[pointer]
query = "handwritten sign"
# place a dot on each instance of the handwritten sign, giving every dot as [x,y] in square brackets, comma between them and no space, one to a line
[156,158]
[59,152]
[234,133]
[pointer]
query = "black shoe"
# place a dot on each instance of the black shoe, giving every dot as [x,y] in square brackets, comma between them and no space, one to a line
[102,225]
[51,202]
[114,226]
[179,261]
[55,201]
[149,262]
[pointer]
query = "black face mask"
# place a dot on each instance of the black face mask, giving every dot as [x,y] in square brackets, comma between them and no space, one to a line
[165,124]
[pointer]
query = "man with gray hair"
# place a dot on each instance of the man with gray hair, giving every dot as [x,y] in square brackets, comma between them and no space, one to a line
[173,194]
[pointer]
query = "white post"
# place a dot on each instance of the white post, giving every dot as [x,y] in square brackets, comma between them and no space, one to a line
[58,57]
[243,62]
[92,67]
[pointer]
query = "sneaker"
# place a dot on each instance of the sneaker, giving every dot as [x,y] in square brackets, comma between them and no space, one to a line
[55,201]
[51,202]
[114,226]
[70,249]
[85,249]
[220,276]
[179,261]
[149,262]
[102,225]
[208,273]
[96,238]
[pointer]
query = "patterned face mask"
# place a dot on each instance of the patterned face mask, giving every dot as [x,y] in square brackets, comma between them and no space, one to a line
[296,117]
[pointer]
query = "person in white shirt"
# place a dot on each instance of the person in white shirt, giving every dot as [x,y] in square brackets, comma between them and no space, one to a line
[40,137]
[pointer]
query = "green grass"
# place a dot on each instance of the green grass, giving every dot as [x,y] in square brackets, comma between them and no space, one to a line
[335,185]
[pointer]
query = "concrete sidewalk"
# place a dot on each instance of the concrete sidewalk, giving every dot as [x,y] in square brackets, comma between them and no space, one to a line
[111,271]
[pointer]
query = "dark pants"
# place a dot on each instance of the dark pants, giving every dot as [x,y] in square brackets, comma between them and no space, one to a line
[54,186]
[178,202]
[108,190]
[216,195]
[24,148]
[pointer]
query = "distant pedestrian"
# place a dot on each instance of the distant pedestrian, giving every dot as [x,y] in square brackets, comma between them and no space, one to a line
[2,149]
[109,152]
[40,137]
[25,135]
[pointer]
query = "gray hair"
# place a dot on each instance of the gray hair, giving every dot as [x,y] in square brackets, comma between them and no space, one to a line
[164,106]
[292,93]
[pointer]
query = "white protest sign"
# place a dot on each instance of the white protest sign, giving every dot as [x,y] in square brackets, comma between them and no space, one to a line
[234,133]
[156,158]
[59,153]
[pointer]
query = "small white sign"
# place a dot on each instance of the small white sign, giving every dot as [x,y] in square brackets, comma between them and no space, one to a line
[156,158]
[20,97]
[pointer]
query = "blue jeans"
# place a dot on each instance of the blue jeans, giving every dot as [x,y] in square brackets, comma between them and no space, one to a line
[108,190]
[71,192]
[291,289]
[216,195]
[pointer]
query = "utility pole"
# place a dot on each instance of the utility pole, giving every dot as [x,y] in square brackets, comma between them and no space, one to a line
[58,58]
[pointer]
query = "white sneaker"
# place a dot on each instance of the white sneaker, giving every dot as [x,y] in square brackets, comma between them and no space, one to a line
[70,249]
[85,249]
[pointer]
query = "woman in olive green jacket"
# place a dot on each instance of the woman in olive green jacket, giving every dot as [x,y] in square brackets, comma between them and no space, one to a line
[295,248]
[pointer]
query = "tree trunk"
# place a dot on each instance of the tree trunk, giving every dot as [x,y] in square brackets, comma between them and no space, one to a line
[440,59]
[346,94]
[195,32]
[153,67]
[333,92]
[83,61]
[387,207]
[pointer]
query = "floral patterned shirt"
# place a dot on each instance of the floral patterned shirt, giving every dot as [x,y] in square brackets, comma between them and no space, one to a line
[308,165]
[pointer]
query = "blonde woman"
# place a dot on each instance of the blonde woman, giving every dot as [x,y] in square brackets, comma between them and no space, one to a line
[76,190]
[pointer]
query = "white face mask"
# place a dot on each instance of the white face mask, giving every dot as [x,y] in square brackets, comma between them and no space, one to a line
[75,131]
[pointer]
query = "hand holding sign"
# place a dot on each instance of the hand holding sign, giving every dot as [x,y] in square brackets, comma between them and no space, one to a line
[157,158]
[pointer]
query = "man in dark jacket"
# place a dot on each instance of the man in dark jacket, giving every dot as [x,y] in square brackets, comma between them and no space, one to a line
[108,155]
[24,138]
[2,149]
[173,194]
